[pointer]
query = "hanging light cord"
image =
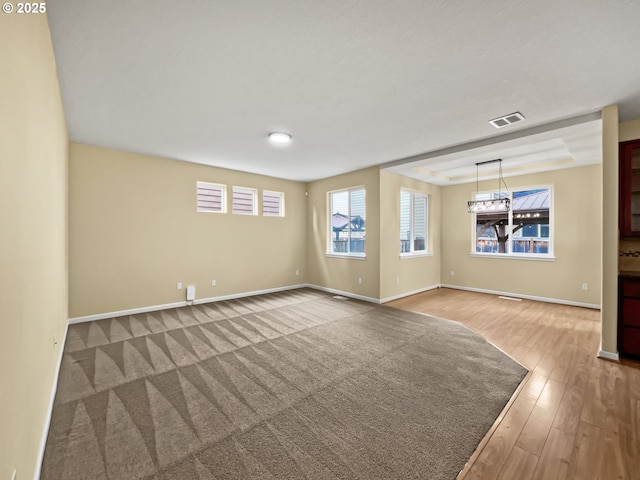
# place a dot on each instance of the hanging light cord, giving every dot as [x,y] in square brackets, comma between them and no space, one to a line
[501,178]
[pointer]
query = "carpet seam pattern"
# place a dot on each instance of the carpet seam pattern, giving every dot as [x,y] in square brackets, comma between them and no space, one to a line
[145,406]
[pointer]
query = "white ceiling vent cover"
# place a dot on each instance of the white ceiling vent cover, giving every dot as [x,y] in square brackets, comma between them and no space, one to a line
[505,120]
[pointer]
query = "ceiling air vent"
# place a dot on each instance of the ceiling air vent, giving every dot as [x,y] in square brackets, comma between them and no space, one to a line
[507,120]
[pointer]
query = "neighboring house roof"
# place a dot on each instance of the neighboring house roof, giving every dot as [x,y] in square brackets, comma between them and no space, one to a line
[533,201]
[339,221]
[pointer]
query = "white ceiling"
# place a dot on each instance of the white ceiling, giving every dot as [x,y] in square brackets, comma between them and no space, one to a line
[357,83]
[564,144]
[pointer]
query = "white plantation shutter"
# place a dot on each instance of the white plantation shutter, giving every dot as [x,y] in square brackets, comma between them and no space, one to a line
[211,197]
[405,220]
[244,201]
[272,204]
[419,214]
[413,222]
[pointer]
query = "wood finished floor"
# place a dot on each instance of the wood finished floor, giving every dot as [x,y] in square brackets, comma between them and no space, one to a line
[576,416]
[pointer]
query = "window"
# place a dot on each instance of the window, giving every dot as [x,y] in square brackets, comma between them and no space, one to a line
[244,201]
[524,230]
[413,222]
[211,197]
[272,204]
[347,222]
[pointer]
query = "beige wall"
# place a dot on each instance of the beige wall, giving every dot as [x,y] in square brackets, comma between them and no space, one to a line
[629,131]
[342,273]
[399,276]
[134,233]
[577,243]
[610,230]
[33,238]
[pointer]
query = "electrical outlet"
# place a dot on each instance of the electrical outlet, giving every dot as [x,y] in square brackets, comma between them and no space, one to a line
[453,274]
[297,272]
[585,286]
[397,280]
[213,283]
[360,280]
[179,285]
[55,342]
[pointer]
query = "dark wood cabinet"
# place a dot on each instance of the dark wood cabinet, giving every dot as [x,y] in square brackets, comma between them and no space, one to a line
[629,316]
[630,188]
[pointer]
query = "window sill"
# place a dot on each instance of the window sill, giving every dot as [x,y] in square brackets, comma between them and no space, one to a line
[404,256]
[350,256]
[539,258]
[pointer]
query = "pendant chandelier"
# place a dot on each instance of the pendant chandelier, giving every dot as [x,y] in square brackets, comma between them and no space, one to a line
[498,205]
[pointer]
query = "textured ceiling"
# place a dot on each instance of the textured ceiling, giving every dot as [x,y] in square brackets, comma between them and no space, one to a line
[357,83]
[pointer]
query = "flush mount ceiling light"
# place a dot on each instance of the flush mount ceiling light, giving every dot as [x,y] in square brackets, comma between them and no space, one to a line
[505,120]
[500,204]
[280,138]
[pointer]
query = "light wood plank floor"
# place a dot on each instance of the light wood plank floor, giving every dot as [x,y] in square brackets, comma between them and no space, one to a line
[576,416]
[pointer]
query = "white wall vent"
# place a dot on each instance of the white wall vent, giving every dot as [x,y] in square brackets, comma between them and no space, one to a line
[505,120]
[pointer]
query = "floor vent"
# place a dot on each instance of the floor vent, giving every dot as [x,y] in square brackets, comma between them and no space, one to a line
[514,299]
[505,120]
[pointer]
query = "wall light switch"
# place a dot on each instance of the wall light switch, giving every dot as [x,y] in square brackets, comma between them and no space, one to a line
[585,286]
[179,285]
[360,280]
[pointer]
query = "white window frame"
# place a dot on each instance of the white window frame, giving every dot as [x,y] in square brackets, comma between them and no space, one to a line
[330,252]
[412,252]
[203,186]
[280,196]
[549,256]
[254,198]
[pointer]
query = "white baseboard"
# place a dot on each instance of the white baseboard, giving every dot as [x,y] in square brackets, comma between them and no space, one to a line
[609,355]
[52,397]
[407,294]
[343,293]
[528,297]
[248,294]
[154,308]
[120,313]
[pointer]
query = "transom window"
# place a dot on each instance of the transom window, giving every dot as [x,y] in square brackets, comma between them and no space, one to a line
[413,222]
[524,230]
[272,204]
[244,201]
[211,197]
[347,220]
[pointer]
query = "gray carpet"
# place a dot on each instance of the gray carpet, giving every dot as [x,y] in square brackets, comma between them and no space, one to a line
[292,385]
